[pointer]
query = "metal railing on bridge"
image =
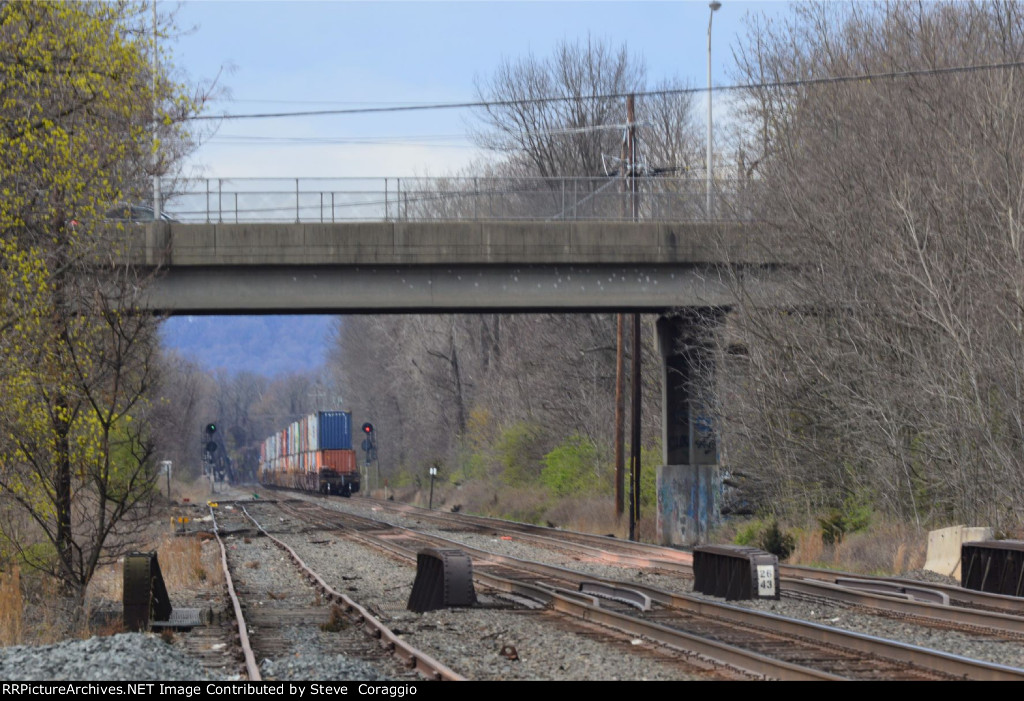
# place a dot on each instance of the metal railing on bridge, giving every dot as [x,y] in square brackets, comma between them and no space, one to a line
[327,200]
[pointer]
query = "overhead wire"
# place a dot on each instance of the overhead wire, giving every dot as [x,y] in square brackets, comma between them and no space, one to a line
[453,139]
[770,85]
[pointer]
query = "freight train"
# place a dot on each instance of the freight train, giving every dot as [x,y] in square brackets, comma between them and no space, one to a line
[313,454]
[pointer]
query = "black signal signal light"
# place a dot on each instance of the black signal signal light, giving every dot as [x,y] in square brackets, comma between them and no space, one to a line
[367,428]
[211,428]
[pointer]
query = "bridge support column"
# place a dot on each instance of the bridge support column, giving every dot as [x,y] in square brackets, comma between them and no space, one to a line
[688,483]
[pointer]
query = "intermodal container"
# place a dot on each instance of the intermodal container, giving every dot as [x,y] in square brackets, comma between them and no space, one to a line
[341,461]
[335,430]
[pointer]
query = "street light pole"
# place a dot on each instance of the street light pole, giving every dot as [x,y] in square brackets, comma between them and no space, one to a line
[714,7]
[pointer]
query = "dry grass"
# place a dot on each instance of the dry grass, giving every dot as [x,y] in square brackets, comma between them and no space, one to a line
[111,627]
[211,562]
[11,605]
[48,611]
[588,515]
[336,620]
[181,561]
[884,548]
[809,548]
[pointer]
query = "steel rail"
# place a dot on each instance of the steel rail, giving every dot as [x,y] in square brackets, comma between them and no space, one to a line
[736,657]
[251,667]
[571,603]
[423,663]
[1004,614]
[934,614]
[993,602]
[925,658]
[657,554]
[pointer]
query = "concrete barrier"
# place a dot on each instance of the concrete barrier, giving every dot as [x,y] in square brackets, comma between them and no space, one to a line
[944,547]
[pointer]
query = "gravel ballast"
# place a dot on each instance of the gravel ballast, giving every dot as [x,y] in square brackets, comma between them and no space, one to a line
[498,640]
[123,657]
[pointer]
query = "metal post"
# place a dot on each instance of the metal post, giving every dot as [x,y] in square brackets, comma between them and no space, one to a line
[631,132]
[207,200]
[220,201]
[236,207]
[714,7]
[296,200]
[433,474]
[387,211]
[332,206]
[398,205]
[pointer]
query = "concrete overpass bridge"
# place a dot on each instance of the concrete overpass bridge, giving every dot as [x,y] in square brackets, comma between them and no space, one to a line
[455,266]
[450,245]
[458,246]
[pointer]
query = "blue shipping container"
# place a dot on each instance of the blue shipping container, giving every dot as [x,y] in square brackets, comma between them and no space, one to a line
[335,430]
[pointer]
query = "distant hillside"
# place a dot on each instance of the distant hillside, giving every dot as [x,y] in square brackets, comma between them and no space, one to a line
[266,345]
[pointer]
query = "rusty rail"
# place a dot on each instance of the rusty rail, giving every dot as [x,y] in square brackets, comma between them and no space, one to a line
[251,667]
[423,663]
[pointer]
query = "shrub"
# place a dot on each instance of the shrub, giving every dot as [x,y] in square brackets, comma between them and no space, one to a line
[748,534]
[772,539]
[518,452]
[854,516]
[573,468]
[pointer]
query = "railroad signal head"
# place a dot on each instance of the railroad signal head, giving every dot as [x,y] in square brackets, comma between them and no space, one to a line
[211,447]
[211,428]
[367,428]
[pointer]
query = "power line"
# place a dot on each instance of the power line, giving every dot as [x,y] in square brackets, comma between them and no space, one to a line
[894,75]
[452,139]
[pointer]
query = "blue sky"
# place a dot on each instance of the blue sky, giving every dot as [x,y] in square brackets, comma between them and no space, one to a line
[284,56]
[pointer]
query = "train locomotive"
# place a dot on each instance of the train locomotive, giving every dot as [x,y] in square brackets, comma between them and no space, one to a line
[313,454]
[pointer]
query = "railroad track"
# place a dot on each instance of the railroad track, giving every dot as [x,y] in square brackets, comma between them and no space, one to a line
[268,619]
[796,649]
[927,604]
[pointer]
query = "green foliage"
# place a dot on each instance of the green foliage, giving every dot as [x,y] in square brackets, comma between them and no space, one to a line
[76,137]
[854,516]
[517,451]
[402,477]
[749,534]
[650,458]
[574,468]
[772,539]
[766,535]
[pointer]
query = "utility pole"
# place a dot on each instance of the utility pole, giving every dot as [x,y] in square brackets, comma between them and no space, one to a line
[634,448]
[620,409]
[628,151]
[714,7]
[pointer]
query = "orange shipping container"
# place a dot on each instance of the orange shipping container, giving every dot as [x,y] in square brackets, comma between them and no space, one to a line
[341,461]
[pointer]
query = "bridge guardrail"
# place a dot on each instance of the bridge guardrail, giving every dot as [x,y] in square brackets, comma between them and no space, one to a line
[328,200]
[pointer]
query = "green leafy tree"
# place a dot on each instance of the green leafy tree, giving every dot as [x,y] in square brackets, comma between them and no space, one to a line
[77,135]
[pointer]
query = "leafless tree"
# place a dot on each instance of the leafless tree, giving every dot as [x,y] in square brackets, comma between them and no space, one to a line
[898,376]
